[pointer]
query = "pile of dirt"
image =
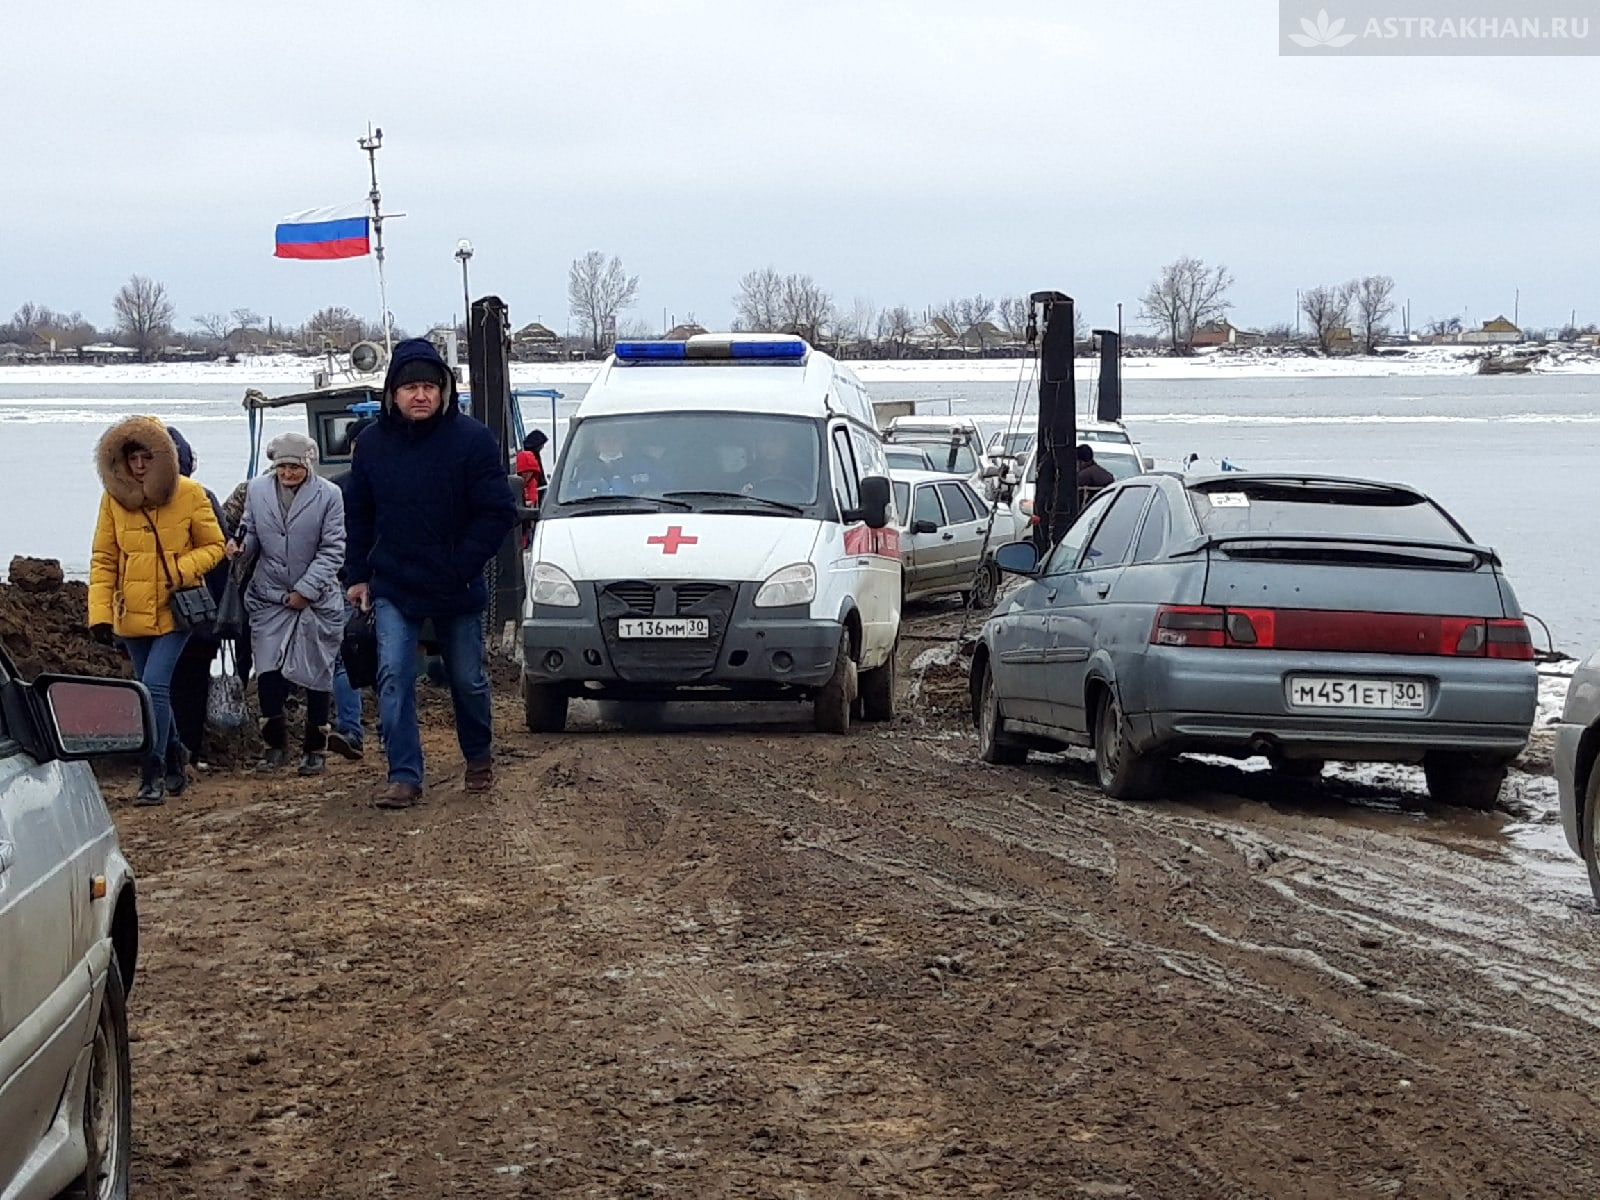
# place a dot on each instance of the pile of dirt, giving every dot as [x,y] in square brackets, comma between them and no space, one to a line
[44,623]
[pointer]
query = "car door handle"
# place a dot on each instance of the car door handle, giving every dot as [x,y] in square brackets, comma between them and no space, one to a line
[1102,590]
[1050,595]
[948,537]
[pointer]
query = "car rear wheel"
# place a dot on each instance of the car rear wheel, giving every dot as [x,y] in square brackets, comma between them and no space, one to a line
[830,708]
[877,690]
[544,707]
[1465,780]
[108,1098]
[1589,834]
[993,745]
[985,585]
[1124,773]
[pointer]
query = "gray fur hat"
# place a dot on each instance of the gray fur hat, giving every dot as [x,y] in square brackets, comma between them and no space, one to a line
[293,448]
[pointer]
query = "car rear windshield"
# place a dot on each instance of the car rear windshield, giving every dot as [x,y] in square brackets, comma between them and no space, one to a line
[1286,508]
[1121,466]
[955,457]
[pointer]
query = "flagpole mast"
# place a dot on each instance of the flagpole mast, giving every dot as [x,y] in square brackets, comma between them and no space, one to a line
[370,144]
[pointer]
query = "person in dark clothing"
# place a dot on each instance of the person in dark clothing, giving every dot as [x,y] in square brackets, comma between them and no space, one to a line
[191,678]
[427,508]
[1091,475]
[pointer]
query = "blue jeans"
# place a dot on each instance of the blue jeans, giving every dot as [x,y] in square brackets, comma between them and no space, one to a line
[461,645]
[346,705]
[154,659]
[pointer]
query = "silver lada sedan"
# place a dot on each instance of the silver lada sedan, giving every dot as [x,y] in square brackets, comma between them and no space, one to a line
[1302,618]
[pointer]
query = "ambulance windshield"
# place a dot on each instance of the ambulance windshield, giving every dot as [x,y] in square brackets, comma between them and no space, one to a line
[653,455]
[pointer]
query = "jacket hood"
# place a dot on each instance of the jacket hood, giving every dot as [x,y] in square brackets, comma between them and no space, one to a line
[185,451]
[160,481]
[418,350]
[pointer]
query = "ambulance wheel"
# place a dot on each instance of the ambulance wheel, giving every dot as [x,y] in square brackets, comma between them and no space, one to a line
[830,708]
[877,691]
[544,707]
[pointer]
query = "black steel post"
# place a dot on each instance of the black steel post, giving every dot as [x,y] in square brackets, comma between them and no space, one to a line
[1055,496]
[489,365]
[1108,405]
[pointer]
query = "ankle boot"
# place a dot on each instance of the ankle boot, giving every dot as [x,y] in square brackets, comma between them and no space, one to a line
[275,733]
[176,777]
[315,758]
[152,784]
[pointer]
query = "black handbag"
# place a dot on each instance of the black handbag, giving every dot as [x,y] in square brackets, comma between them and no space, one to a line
[193,608]
[232,618]
[359,650]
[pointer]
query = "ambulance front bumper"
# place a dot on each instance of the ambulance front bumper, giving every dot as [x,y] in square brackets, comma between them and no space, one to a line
[744,651]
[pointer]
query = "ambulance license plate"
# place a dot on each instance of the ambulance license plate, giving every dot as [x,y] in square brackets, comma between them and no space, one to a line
[1332,691]
[664,627]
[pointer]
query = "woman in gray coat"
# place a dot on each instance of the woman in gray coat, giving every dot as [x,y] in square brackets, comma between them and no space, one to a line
[294,523]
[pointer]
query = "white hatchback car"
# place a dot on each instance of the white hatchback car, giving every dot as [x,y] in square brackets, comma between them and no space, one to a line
[70,932]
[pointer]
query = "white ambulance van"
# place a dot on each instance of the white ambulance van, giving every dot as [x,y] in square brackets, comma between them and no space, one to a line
[720,526]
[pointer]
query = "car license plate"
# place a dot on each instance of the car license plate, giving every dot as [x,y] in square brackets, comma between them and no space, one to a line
[1334,691]
[664,627]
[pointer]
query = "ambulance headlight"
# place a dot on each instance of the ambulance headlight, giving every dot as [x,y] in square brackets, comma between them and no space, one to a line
[553,586]
[794,584]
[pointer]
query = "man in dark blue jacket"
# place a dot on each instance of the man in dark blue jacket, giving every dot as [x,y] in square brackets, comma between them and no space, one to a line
[426,507]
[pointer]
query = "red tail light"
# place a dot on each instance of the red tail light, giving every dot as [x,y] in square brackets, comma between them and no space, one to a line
[1352,632]
[1510,639]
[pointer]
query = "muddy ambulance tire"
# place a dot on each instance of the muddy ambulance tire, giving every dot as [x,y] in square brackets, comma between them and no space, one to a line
[830,708]
[877,690]
[544,707]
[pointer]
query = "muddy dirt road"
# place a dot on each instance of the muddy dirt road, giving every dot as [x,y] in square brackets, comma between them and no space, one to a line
[743,959]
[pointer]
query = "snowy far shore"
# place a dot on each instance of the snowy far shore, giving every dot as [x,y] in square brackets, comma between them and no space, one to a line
[283,370]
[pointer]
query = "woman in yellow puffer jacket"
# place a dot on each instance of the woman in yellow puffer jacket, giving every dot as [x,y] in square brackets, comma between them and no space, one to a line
[148,502]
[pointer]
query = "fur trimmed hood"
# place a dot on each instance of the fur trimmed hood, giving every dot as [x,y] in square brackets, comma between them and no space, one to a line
[160,481]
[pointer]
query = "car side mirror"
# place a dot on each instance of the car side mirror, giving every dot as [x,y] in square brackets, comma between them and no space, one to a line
[924,526]
[524,511]
[92,718]
[875,499]
[1020,558]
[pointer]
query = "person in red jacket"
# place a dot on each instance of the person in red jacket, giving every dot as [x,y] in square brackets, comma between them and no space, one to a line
[530,465]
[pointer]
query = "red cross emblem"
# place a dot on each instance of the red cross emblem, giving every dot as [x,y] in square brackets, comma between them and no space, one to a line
[671,540]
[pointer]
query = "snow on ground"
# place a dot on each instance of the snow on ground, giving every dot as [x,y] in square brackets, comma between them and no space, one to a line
[1225,363]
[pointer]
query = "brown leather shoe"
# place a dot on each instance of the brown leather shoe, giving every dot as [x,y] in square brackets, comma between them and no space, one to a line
[399,795]
[480,776]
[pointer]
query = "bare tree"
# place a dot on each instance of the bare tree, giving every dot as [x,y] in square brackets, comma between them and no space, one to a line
[861,321]
[334,326]
[758,306]
[895,327]
[806,307]
[1443,326]
[1183,297]
[214,325]
[1012,312]
[597,291]
[1372,304]
[245,318]
[1327,311]
[144,315]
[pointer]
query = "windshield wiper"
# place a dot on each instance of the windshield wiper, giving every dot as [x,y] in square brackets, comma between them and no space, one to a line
[797,509]
[626,502]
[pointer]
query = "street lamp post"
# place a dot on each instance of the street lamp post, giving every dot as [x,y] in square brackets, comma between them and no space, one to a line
[463,253]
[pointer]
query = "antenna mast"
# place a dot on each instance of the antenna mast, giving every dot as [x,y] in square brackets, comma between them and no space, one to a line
[371,144]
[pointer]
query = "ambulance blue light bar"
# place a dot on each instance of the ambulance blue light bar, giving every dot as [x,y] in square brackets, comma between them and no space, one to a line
[708,347]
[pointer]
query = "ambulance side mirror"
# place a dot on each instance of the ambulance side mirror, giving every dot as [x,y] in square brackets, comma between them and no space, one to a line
[875,498]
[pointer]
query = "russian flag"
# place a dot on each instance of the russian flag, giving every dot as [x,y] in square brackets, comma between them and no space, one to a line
[341,231]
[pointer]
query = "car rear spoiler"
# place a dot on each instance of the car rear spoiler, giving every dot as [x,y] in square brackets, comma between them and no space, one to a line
[1483,555]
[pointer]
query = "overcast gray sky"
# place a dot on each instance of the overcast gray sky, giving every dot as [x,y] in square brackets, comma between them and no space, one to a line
[902,152]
